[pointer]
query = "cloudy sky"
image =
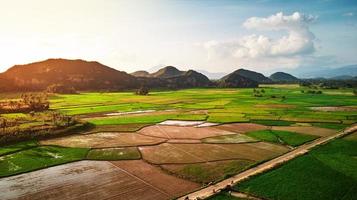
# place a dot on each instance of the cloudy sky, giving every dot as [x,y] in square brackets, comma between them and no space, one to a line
[216,36]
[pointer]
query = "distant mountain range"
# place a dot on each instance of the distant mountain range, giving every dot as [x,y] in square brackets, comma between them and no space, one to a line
[350,70]
[83,75]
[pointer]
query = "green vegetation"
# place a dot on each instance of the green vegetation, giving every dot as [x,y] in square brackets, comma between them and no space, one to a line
[282,137]
[19,127]
[213,105]
[327,172]
[27,103]
[221,105]
[331,125]
[17,147]
[130,153]
[273,122]
[38,158]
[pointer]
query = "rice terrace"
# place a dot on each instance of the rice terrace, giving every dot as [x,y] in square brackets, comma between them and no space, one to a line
[186,100]
[191,138]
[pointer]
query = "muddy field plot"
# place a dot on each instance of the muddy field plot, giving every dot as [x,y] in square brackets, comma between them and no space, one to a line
[226,139]
[242,127]
[80,180]
[317,131]
[196,153]
[177,132]
[103,140]
[158,178]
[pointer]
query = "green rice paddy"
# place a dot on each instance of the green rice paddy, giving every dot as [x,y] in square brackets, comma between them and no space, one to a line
[327,172]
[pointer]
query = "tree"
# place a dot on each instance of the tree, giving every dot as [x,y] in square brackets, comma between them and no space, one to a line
[3,124]
[142,91]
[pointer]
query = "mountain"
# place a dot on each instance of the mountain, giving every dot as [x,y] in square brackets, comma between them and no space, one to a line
[167,72]
[188,79]
[80,74]
[234,79]
[349,70]
[283,77]
[344,77]
[252,75]
[141,73]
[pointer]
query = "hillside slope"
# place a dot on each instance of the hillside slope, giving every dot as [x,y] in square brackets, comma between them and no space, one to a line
[80,74]
[167,72]
[283,77]
[234,79]
[252,75]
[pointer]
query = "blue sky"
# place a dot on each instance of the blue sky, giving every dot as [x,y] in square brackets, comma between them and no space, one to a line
[216,36]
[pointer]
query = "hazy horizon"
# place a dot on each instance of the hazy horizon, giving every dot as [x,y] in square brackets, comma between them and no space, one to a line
[215,36]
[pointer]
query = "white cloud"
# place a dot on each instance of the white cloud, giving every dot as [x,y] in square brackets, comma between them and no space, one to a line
[297,41]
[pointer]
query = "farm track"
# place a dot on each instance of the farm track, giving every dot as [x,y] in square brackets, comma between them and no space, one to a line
[303,149]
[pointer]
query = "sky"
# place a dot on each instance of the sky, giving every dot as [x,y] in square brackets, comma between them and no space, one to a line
[210,35]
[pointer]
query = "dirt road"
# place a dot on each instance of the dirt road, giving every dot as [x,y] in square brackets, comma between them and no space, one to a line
[211,190]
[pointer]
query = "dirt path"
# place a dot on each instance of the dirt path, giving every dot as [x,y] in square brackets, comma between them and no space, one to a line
[213,189]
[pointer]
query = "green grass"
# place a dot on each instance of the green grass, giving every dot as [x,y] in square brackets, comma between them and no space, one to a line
[264,135]
[38,158]
[130,153]
[17,147]
[331,125]
[327,172]
[282,137]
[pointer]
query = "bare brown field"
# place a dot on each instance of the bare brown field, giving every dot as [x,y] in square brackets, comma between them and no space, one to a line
[103,140]
[156,177]
[180,123]
[118,128]
[79,180]
[195,153]
[335,108]
[184,141]
[242,127]
[306,130]
[177,132]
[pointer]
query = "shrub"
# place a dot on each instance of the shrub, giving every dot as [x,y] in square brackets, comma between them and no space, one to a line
[142,91]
